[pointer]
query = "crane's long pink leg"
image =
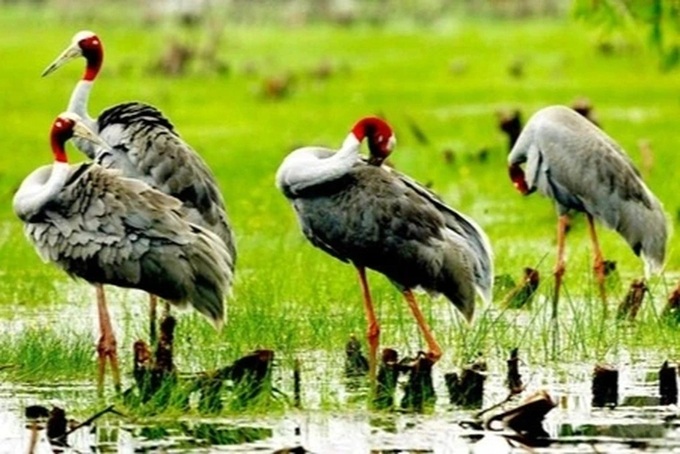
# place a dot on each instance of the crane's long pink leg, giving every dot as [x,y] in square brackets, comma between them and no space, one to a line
[560,267]
[598,265]
[435,351]
[153,313]
[106,347]
[373,334]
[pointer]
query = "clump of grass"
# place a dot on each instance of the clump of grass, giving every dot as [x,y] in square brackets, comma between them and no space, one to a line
[45,353]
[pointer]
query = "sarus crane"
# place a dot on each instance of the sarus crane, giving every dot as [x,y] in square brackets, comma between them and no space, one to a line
[106,229]
[361,212]
[144,145]
[570,160]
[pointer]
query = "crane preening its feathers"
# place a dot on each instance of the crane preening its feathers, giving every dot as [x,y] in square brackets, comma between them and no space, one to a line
[361,212]
[572,161]
[144,145]
[104,228]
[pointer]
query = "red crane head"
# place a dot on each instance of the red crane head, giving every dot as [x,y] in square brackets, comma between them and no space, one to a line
[66,126]
[518,179]
[84,44]
[381,140]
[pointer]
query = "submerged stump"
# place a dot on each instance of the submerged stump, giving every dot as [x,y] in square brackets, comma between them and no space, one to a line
[388,374]
[157,378]
[155,373]
[467,390]
[514,378]
[668,385]
[356,364]
[419,390]
[605,386]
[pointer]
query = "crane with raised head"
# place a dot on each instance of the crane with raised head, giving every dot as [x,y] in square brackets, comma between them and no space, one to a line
[144,145]
[364,213]
[106,229]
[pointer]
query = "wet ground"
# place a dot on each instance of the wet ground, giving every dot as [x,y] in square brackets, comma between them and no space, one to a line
[637,424]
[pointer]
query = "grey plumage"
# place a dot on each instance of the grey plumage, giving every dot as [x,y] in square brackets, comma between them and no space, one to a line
[380,219]
[580,167]
[107,229]
[145,146]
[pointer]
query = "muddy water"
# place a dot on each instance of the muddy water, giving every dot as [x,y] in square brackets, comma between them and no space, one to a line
[574,426]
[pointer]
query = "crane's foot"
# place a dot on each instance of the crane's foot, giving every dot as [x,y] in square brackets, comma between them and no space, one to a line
[106,349]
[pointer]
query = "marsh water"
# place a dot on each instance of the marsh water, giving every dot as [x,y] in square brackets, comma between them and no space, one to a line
[333,417]
[637,424]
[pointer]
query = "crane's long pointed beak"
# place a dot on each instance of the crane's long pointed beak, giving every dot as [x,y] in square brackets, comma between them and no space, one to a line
[82,131]
[71,52]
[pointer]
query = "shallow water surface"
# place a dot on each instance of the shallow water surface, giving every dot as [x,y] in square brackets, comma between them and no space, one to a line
[638,423]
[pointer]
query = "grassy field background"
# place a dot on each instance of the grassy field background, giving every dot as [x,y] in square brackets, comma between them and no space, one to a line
[449,76]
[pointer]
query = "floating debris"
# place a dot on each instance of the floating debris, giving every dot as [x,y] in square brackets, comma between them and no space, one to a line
[527,418]
[605,386]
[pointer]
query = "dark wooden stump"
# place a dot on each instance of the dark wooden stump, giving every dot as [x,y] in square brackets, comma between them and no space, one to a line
[386,385]
[631,304]
[467,390]
[605,387]
[297,400]
[152,373]
[668,385]
[57,426]
[513,377]
[356,364]
[419,391]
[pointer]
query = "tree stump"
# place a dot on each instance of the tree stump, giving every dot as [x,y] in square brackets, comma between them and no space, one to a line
[467,390]
[605,386]
[388,374]
[668,385]
[419,390]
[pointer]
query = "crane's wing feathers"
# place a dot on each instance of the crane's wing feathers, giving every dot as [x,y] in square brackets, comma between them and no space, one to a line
[378,220]
[146,147]
[112,230]
[467,229]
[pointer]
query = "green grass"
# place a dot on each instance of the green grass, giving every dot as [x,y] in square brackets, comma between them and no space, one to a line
[289,296]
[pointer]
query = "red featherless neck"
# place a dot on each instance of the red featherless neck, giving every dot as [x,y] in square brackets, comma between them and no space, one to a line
[62,130]
[93,51]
